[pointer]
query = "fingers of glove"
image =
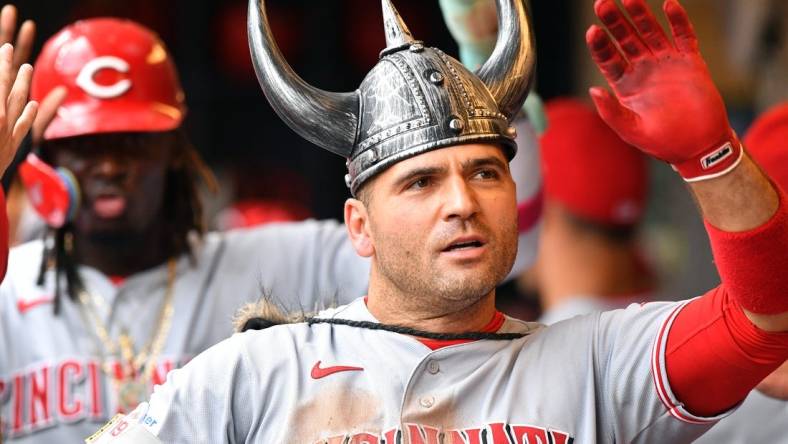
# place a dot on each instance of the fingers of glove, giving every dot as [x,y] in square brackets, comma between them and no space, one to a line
[607,57]
[623,31]
[7,23]
[19,92]
[680,25]
[612,111]
[24,43]
[648,27]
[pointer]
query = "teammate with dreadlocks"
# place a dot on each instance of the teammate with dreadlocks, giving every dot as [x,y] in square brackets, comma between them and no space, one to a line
[152,231]
[127,286]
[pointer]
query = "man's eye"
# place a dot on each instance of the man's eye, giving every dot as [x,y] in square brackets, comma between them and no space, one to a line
[424,182]
[487,174]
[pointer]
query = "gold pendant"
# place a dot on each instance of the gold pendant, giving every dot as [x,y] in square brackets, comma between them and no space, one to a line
[130,393]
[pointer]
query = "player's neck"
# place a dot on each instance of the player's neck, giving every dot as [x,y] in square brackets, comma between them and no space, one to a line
[390,306]
[589,269]
[124,255]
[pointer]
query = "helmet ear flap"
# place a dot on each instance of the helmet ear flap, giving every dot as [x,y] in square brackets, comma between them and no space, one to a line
[54,193]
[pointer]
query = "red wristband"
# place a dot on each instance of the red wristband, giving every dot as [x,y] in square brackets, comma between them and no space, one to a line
[752,263]
[718,161]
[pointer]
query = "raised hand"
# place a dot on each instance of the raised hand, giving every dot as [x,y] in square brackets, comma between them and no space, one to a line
[664,100]
[16,112]
[24,39]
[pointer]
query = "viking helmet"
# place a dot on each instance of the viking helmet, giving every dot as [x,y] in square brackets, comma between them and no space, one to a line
[416,99]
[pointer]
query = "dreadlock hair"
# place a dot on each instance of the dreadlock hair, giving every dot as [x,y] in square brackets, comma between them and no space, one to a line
[182,206]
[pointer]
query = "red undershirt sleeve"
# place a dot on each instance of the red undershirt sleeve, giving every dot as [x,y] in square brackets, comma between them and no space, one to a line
[714,355]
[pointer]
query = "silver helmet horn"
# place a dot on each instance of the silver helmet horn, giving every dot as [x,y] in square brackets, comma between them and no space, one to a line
[416,99]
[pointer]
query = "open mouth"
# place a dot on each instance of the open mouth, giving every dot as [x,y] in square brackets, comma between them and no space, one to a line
[464,244]
[109,206]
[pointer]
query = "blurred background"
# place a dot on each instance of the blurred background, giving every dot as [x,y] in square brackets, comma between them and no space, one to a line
[333,44]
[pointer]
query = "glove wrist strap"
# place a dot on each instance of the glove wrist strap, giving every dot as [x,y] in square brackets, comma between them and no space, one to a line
[716,162]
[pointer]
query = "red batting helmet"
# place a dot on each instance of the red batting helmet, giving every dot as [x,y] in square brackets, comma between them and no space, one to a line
[767,142]
[119,75]
[589,169]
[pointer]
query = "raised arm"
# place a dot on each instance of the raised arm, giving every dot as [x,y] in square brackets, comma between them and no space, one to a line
[666,104]
[16,119]
[718,347]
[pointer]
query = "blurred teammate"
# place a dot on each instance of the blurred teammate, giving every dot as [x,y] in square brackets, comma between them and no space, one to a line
[595,196]
[130,287]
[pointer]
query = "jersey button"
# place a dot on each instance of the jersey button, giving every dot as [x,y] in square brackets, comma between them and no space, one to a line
[427,401]
[433,367]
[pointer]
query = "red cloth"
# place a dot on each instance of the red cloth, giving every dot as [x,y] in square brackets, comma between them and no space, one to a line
[767,142]
[257,212]
[493,326]
[589,169]
[529,212]
[3,236]
[714,354]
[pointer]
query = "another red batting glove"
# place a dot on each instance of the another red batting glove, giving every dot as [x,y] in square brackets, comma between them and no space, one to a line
[665,102]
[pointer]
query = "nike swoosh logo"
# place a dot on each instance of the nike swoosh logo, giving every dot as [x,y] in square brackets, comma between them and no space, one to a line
[321,372]
[23,305]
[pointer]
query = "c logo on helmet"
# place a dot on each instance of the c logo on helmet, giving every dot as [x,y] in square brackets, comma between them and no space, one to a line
[88,84]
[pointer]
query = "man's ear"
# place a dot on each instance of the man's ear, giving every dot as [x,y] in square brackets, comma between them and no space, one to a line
[357,223]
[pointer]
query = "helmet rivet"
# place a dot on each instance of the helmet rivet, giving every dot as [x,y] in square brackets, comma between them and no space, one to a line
[416,47]
[347,180]
[456,125]
[511,132]
[435,77]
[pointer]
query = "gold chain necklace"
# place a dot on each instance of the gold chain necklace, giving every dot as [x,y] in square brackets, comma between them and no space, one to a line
[132,386]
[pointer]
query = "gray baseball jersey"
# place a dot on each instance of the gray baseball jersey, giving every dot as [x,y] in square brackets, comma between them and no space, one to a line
[52,387]
[597,378]
[760,419]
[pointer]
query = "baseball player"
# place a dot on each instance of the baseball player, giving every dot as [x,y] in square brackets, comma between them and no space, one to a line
[424,357]
[125,287]
[594,200]
[761,418]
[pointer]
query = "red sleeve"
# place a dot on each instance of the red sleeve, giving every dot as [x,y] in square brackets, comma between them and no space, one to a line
[714,355]
[3,236]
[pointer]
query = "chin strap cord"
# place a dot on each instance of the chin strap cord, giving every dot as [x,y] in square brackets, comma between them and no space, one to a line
[471,336]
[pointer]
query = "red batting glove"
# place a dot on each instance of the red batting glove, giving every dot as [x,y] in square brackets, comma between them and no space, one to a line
[665,102]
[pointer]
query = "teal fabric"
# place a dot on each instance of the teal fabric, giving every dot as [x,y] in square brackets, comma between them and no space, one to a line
[474,51]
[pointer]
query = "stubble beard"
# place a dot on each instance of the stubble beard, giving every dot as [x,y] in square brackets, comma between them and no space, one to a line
[425,285]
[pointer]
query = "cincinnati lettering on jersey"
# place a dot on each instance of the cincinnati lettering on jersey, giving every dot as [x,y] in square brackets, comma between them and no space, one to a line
[497,433]
[66,392]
